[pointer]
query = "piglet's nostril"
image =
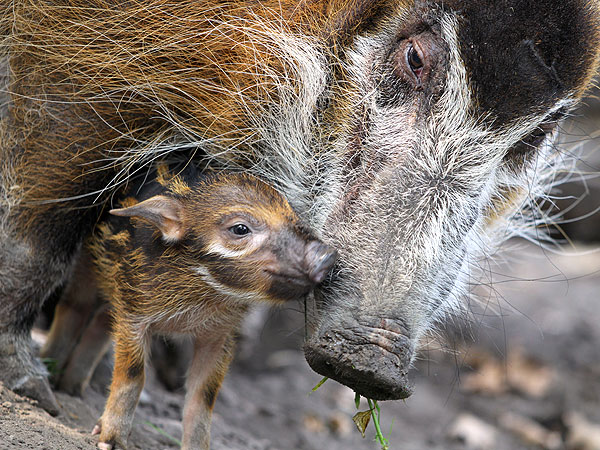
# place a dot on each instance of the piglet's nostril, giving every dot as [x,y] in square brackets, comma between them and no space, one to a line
[319,260]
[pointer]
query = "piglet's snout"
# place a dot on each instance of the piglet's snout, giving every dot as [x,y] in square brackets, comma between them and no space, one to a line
[318,260]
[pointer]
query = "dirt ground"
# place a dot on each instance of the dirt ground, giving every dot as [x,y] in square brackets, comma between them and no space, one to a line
[522,372]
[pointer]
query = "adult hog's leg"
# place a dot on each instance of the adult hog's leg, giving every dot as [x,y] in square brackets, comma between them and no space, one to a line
[34,260]
[93,345]
[29,275]
[207,371]
[72,313]
[45,158]
[31,267]
[128,381]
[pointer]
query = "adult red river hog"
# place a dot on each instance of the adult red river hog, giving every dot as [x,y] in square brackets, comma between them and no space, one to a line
[412,136]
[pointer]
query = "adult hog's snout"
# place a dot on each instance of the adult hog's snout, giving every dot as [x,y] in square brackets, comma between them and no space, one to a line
[319,258]
[372,356]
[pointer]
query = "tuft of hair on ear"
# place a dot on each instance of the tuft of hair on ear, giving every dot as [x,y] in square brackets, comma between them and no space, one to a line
[165,213]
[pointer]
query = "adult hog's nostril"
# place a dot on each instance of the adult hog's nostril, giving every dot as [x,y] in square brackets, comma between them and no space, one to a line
[318,260]
[372,360]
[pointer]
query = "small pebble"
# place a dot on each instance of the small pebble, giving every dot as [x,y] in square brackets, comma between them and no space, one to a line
[473,432]
[340,424]
[313,424]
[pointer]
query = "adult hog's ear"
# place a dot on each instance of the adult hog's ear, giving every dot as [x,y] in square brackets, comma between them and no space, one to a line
[165,213]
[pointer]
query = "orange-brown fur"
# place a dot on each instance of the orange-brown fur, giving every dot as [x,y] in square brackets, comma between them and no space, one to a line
[66,56]
[111,75]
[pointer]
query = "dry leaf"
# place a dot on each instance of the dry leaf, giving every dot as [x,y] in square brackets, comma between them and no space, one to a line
[489,379]
[339,424]
[361,419]
[313,424]
[519,373]
[528,376]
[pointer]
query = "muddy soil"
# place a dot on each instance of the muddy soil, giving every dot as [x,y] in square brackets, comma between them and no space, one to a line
[522,372]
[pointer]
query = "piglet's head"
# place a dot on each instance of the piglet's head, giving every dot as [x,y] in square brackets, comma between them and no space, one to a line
[239,236]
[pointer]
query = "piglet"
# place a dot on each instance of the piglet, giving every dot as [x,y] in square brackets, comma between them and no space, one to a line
[190,259]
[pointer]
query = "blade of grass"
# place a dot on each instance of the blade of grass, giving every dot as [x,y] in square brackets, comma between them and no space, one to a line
[319,384]
[373,406]
[163,432]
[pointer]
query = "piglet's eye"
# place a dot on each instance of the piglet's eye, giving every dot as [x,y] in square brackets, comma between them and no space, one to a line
[240,229]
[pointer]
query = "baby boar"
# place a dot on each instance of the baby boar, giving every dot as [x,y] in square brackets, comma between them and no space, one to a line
[189,258]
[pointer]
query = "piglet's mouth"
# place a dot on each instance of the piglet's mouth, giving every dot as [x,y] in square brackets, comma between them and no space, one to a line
[294,278]
[289,286]
[371,358]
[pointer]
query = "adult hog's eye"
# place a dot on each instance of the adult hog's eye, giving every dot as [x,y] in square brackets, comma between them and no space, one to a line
[414,60]
[532,141]
[240,229]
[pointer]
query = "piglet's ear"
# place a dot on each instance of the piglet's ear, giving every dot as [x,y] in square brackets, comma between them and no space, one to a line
[165,213]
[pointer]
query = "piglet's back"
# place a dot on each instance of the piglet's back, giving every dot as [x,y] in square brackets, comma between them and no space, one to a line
[129,255]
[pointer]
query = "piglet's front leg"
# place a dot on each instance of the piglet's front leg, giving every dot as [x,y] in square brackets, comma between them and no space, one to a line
[211,361]
[127,383]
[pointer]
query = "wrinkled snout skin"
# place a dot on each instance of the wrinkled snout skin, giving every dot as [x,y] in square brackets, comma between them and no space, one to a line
[372,356]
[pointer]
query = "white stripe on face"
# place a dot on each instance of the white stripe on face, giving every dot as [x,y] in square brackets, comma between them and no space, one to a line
[226,290]
[217,249]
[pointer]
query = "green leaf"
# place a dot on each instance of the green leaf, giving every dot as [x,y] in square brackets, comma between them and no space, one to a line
[319,384]
[52,366]
[357,400]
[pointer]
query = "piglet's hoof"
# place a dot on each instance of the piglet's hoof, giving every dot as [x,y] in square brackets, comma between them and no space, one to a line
[97,429]
[103,445]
